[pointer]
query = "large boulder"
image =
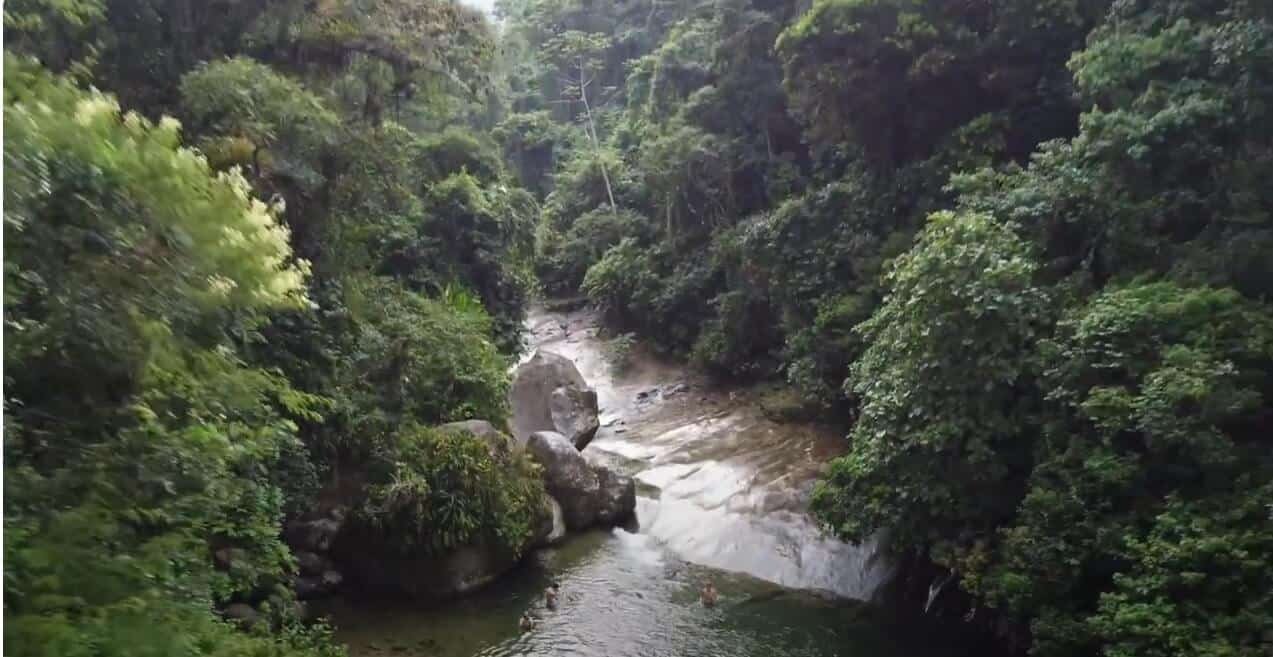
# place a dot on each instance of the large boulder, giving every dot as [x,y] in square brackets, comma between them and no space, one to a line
[618,497]
[589,495]
[374,566]
[574,414]
[567,477]
[382,572]
[549,394]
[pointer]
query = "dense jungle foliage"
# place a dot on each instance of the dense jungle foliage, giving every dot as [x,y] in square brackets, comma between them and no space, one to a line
[253,251]
[1023,249]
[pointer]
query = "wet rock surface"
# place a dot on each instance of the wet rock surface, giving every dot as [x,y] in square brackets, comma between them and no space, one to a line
[549,394]
[589,494]
[718,482]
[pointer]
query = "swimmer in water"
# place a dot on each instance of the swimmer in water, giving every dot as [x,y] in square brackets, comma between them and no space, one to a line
[708,595]
[527,623]
[550,595]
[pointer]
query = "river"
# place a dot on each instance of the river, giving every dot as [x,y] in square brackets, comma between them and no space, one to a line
[721,492]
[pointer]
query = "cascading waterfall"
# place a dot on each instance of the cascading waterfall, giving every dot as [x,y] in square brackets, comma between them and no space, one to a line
[936,587]
[721,485]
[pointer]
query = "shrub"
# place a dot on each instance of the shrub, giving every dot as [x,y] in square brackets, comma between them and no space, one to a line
[136,436]
[439,490]
[414,360]
[619,352]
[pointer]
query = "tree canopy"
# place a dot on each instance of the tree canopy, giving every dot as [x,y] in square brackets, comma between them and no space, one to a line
[1021,252]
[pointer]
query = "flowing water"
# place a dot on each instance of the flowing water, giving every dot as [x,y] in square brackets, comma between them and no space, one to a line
[721,492]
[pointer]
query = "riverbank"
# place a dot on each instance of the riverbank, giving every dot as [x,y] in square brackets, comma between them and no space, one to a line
[721,495]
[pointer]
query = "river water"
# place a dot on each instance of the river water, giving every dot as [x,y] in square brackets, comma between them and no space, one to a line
[721,492]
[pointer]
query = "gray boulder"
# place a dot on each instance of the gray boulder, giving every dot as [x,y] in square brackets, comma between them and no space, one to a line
[618,497]
[382,571]
[373,565]
[575,414]
[588,494]
[568,478]
[549,394]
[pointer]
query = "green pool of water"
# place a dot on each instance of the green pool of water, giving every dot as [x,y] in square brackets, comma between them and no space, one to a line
[623,595]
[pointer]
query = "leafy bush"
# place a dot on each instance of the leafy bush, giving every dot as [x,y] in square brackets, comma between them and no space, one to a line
[564,258]
[480,236]
[456,150]
[414,360]
[136,437]
[442,490]
[1157,394]
[619,352]
[944,388]
[257,119]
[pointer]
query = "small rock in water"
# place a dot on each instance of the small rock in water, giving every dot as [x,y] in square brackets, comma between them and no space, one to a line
[621,430]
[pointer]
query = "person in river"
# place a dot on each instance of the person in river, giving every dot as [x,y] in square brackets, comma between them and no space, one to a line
[527,623]
[708,595]
[550,596]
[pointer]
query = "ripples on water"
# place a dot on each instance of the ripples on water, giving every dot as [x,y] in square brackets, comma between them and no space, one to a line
[623,595]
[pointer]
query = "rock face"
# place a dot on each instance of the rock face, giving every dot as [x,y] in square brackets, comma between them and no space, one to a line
[310,541]
[430,577]
[549,394]
[589,495]
[618,497]
[376,568]
[574,414]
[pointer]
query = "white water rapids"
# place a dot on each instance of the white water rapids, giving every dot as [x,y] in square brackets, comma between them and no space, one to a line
[719,484]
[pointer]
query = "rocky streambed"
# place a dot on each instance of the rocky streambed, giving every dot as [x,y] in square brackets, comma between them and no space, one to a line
[668,483]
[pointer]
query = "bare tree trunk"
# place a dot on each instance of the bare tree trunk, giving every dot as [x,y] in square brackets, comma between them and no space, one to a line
[592,134]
